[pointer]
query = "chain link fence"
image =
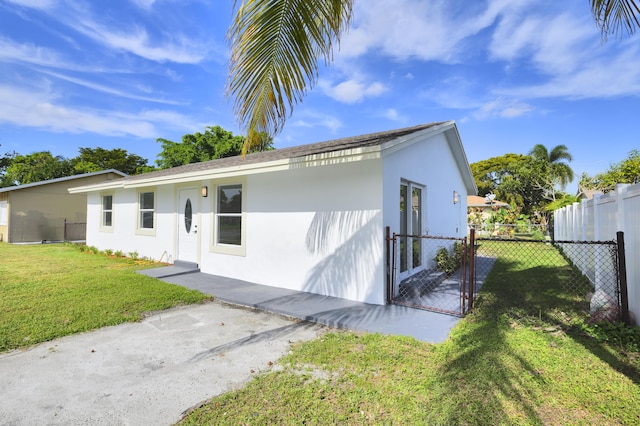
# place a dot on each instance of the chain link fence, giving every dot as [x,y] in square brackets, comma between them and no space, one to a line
[431,273]
[576,277]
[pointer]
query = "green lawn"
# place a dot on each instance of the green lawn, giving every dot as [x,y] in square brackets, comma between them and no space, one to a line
[527,355]
[52,290]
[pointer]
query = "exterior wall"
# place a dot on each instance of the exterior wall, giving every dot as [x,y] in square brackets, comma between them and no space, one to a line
[124,235]
[429,163]
[316,229]
[38,213]
[4,217]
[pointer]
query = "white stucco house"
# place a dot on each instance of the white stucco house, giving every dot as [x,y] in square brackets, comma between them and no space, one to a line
[309,218]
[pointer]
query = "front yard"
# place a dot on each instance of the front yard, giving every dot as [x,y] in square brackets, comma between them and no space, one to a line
[515,360]
[52,290]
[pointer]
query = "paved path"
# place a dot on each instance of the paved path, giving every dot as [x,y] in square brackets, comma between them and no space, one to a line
[145,373]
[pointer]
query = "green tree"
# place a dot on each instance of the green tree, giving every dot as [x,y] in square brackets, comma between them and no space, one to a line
[512,178]
[612,16]
[554,172]
[214,143]
[276,45]
[5,162]
[626,171]
[275,48]
[96,159]
[37,167]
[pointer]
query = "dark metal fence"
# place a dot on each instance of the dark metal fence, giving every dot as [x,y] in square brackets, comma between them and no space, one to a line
[443,274]
[431,273]
[75,231]
[576,274]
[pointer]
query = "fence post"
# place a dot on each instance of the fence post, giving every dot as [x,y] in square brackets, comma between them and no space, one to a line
[64,235]
[472,266]
[387,238]
[622,276]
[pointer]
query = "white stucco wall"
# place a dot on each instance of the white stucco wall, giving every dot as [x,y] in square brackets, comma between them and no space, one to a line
[316,229]
[123,235]
[429,163]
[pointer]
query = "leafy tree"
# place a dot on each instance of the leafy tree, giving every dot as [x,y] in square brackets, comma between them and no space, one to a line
[491,173]
[626,171]
[275,48]
[5,161]
[214,143]
[555,170]
[37,167]
[96,159]
[614,15]
[276,45]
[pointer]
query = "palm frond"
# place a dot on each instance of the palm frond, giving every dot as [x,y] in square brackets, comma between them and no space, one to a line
[275,47]
[611,16]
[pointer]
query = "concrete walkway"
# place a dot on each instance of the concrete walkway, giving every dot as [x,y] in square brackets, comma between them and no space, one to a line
[332,311]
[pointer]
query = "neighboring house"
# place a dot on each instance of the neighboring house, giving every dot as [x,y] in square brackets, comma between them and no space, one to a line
[36,212]
[485,205]
[309,218]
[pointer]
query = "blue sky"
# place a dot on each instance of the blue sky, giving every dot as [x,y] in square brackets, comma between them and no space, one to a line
[122,73]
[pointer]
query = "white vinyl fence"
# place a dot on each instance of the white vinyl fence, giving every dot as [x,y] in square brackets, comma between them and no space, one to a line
[599,219]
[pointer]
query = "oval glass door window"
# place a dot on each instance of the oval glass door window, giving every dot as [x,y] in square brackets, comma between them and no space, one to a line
[187,216]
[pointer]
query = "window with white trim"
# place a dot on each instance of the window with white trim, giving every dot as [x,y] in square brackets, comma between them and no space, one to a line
[3,213]
[146,210]
[228,215]
[107,211]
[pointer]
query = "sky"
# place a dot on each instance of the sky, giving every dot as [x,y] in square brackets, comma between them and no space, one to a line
[511,74]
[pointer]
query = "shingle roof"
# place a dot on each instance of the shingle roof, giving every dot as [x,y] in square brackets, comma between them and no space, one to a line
[62,179]
[371,139]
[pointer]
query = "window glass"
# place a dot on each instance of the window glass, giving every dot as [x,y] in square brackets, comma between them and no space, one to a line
[3,213]
[229,215]
[146,210]
[107,210]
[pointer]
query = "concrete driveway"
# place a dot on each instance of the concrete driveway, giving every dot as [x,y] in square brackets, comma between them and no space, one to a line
[146,373]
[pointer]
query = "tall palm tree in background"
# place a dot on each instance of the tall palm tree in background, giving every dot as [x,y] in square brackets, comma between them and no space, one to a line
[553,161]
[276,45]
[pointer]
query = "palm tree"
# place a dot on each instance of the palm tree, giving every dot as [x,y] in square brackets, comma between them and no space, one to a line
[614,15]
[553,161]
[276,44]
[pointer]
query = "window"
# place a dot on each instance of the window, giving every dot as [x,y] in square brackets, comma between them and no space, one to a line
[3,213]
[107,210]
[229,215]
[146,209]
[410,224]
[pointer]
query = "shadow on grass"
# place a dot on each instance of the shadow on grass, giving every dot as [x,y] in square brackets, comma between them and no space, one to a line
[491,374]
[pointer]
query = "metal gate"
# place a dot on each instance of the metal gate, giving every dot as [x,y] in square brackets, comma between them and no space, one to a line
[443,274]
[585,275]
[431,273]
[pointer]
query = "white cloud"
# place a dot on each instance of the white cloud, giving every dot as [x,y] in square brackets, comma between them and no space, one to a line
[416,29]
[352,91]
[42,109]
[136,40]
[10,51]
[113,91]
[503,108]
[307,118]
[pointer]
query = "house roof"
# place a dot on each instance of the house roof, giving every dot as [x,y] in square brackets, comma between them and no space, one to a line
[353,148]
[62,179]
[477,201]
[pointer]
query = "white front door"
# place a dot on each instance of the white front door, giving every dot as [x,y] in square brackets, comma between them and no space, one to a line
[188,225]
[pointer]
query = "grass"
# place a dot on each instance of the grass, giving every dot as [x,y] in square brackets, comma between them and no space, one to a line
[526,355]
[52,290]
